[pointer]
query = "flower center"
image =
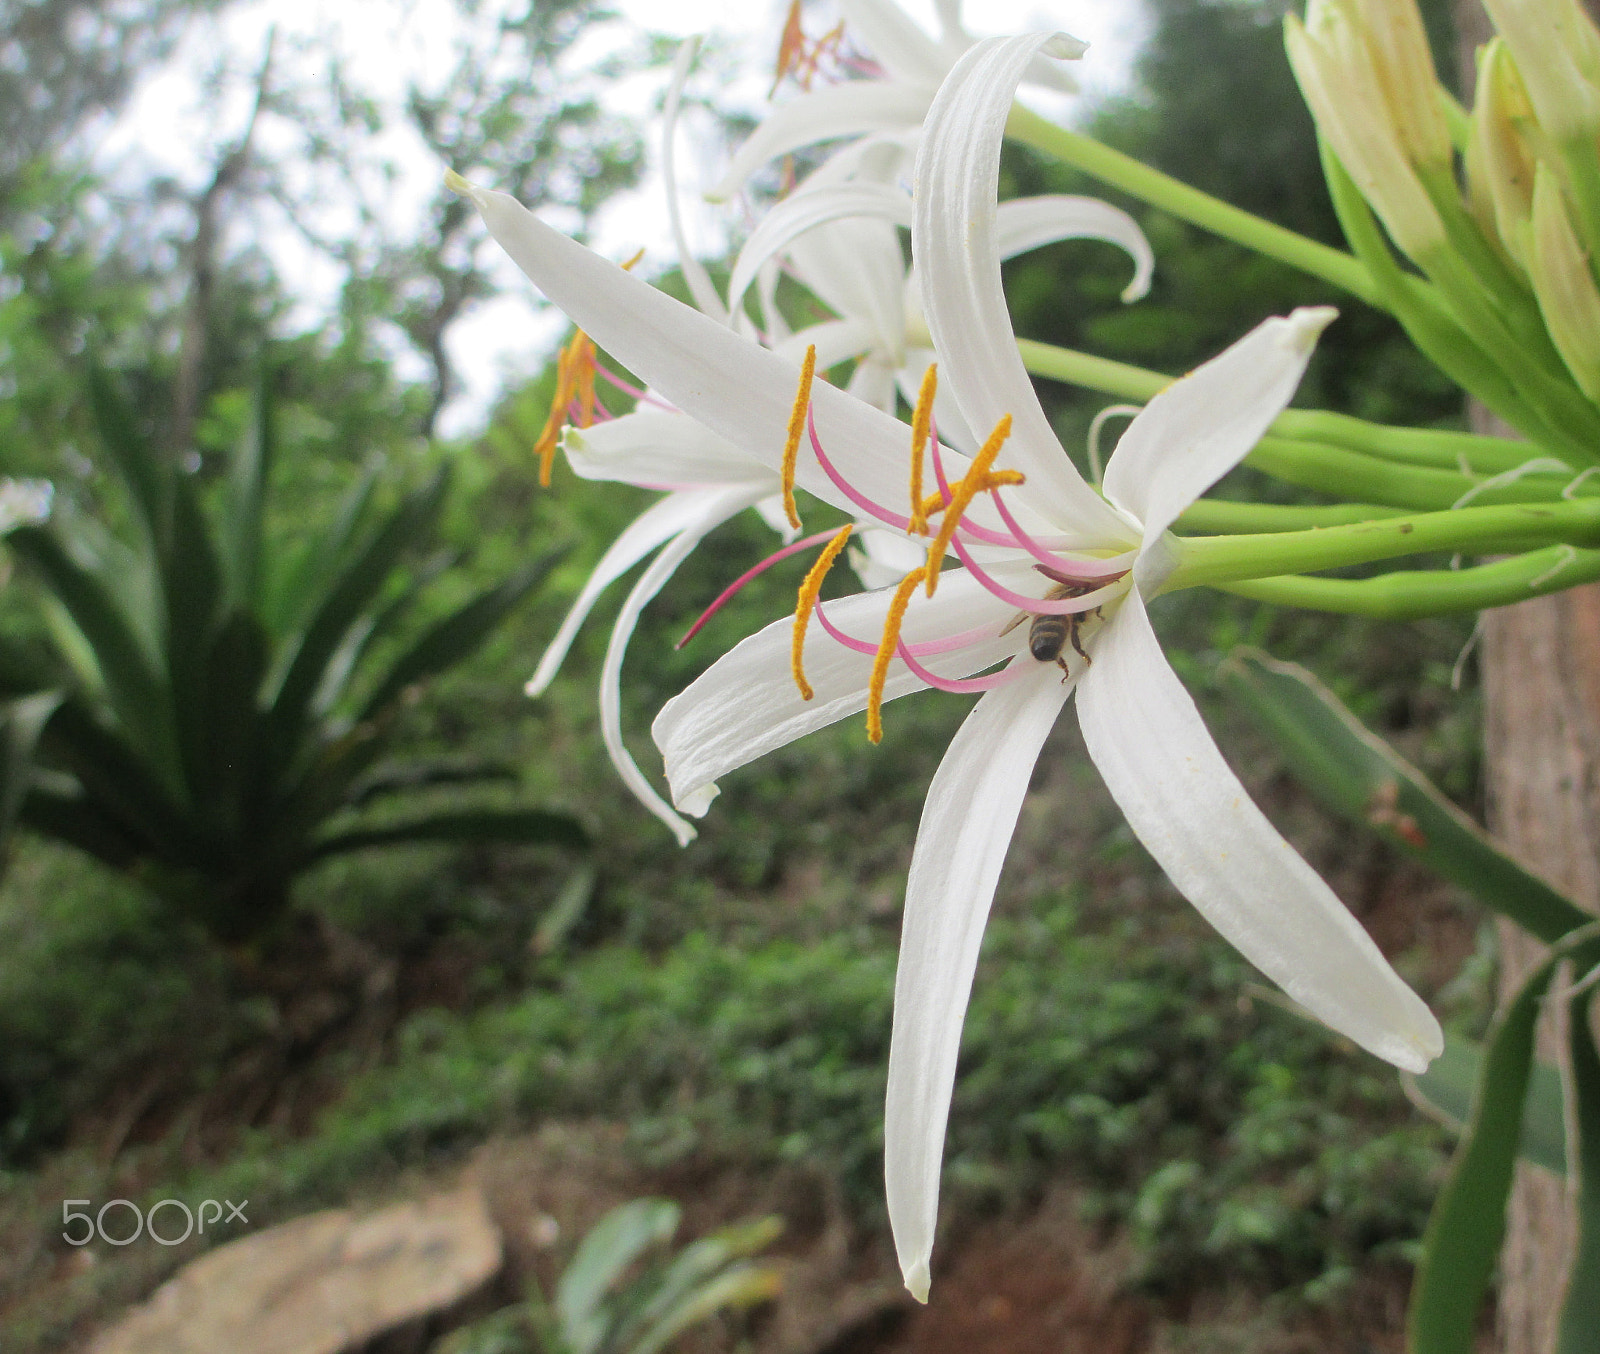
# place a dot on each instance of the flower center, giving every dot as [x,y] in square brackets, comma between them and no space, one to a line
[1080,585]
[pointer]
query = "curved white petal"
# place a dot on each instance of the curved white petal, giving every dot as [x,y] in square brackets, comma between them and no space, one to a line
[967,823]
[1192,814]
[657,524]
[805,210]
[854,265]
[836,341]
[740,391]
[699,281]
[746,703]
[873,381]
[953,430]
[1025,223]
[715,509]
[853,108]
[1202,425]
[895,42]
[953,240]
[657,448]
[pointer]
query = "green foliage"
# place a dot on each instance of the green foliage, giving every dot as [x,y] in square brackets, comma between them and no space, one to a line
[607,1302]
[1230,1138]
[229,711]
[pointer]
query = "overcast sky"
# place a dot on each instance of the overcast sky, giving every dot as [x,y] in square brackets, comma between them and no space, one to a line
[173,123]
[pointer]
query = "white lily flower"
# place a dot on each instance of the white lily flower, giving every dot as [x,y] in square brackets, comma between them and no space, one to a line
[913,66]
[839,235]
[1106,559]
[708,482]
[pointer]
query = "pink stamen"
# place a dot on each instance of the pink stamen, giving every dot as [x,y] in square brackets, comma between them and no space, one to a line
[849,641]
[793,548]
[848,490]
[1068,565]
[1039,606]
[964,685]
[627,388]
[922,649]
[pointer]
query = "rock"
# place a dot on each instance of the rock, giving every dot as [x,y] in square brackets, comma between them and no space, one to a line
[321,1284]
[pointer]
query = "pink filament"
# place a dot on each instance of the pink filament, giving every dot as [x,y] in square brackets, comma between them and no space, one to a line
[628,388]
[727,593]
[1039,606]
[963,685]
[923,649]
[848,490]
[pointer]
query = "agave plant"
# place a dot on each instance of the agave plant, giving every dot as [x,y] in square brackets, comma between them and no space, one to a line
[608,1303]
[225,708]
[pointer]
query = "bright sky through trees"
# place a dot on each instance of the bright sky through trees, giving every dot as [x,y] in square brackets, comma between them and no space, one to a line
[186,113]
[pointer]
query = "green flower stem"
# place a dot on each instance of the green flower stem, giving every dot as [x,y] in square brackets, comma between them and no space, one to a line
[1431,592]
[1120,379]
[1190,204]
[1218,516]
[1229,559]
[1415,446]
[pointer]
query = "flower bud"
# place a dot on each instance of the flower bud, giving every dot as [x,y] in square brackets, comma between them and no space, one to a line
[1564,284]
[1339,79]
[1557,48]
[1500,160]
[1398,45]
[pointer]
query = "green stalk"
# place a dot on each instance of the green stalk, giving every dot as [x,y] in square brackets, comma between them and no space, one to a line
[1228,559]
[1190,204]
[1431,592]
[1414,446]
[1218,516]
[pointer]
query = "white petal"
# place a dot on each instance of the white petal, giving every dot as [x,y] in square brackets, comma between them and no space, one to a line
[657,448]
[1204,424]
[1025,223]
[953,240]
[658,523]
[736,388]
[807,209]
[896,43]
[873,382]
[715,510]
[967,823]
[854,265]
[853,108]
[1196,819]
[746,704]
[698,280]
[836,341]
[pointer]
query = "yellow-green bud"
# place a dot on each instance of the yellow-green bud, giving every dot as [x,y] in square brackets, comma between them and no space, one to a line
[1564,284]
[1500,160]
[1558,52]
[1339,80]
[1398,45]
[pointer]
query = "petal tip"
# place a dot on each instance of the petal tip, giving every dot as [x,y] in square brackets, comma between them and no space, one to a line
[456,184]
[1305,325]
[697,801]
[918,1280]
[1065,47]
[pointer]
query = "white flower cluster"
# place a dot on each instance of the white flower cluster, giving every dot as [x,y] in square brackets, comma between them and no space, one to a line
[733,418]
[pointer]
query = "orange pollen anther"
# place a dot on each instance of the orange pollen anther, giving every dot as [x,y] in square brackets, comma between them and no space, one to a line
[798,56]
[886,647]
[810,590]
[977,480]
[575,372]
[797,425]
[629,265]
[921,421]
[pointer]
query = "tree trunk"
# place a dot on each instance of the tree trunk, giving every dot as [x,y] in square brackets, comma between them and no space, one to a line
[1541,744]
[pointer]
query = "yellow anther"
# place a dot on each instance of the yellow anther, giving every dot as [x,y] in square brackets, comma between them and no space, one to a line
[791,46]
[810,590]
[886,647]
[629,265]
[921,421]
[977,479]
[545,447]
[575,371]
[797,424]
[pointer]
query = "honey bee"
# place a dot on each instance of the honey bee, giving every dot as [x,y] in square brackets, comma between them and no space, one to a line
[1051,632]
